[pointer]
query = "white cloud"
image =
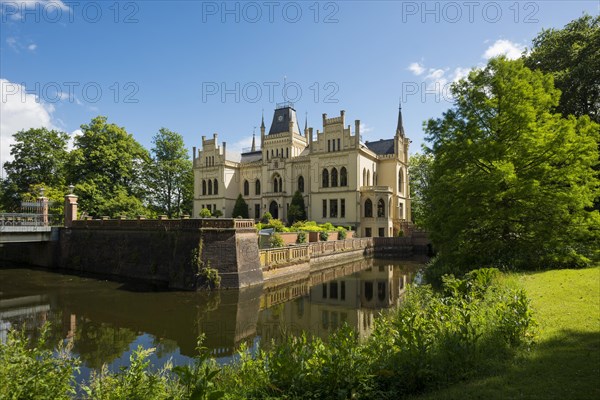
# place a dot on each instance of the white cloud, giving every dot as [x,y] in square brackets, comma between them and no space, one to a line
[504,47]
[416,68]
[460,73]
[20,110]
[32,47]
[12,43]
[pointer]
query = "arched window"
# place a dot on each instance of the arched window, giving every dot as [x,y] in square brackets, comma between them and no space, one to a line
[203,187]
[368,208]
[334,177]
[343,177]
[280,185]
[364,181]
[301,184]
[257,187]
[401,181]
[277,183]
[325,180]
[209,187]
[216,187]
[374,178]
[368,178]
[381,208]
[246,188]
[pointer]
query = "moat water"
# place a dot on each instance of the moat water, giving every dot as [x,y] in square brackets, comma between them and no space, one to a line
[105,321]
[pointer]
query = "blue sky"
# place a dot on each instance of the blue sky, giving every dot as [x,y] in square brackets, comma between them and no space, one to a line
[204,67]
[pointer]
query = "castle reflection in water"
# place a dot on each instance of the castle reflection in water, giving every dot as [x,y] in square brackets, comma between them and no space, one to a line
[104,320]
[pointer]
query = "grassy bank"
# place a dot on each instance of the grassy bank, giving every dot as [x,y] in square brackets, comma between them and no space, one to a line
[565,361]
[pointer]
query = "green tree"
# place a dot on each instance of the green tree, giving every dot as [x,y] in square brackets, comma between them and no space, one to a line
[170,176]
[419,171]
[107,166]
[297,210]
[572,56]
[240,209]
[39,157]
[511,181]
[205,213]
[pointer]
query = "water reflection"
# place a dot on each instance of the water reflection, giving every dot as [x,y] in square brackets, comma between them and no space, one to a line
[106,320]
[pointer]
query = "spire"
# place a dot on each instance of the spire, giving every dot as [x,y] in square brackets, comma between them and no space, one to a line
[400,127]
[305,121]
[262,123]
[253,142]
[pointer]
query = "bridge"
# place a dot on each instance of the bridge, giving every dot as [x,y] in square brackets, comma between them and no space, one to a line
[26,227]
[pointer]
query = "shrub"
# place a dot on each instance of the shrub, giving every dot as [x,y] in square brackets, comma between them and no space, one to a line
[205,213]
[34,371]
[266,217]
[323,235]
[342,232]
[301,237]
[217,214]
[277,225]
[276,240]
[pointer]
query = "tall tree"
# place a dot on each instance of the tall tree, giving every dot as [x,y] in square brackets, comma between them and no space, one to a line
[511,181]
[572,56]
[297,210]
[170,177]
[39,157]
[419,171]
[106,166]
[240,209]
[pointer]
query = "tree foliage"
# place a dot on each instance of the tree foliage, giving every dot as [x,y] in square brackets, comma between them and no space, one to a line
[240,209]
[419,171]
[511,182]
[170,177]
[572,56]
[39,157]
[107,166]
[297,210]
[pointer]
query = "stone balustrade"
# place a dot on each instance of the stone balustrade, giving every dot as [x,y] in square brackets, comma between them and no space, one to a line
[166,224]
[283,256]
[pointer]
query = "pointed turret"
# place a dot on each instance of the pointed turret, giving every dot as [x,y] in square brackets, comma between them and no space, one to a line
[253,143]
[400,127]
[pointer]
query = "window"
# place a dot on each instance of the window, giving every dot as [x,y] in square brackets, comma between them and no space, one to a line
[367,232]
[216,187]
[208,207]
[275,185]
[209,187]
[342,208]
[369,291]
[246,188]
[328,145]
[364,181]
[381,232]
[334,177]
[257,211]
[381,208]
[203,187]
[400,181]
[287,152]
[343,290]
[368,178]
[339,147]
[301,184]
[333,144]
[257,187]
[368,208]
[325,179]
[401,211]
[343,177]
[280,185]
[324,290]
[333,208]
[324,208]
[381,291]
[333,290]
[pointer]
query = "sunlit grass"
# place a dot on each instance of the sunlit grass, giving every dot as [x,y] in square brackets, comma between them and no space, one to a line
[565,361]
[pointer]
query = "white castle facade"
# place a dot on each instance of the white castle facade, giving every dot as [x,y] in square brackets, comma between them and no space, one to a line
[343,180]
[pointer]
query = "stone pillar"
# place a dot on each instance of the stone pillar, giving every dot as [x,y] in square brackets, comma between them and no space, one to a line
[43,202]
[70,210]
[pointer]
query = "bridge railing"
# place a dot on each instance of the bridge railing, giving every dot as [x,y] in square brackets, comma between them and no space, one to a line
[23,222]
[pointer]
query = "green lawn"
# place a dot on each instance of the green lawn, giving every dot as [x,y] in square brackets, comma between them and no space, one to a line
[565,361]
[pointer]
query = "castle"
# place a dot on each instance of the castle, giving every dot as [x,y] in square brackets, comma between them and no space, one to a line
[343,180]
